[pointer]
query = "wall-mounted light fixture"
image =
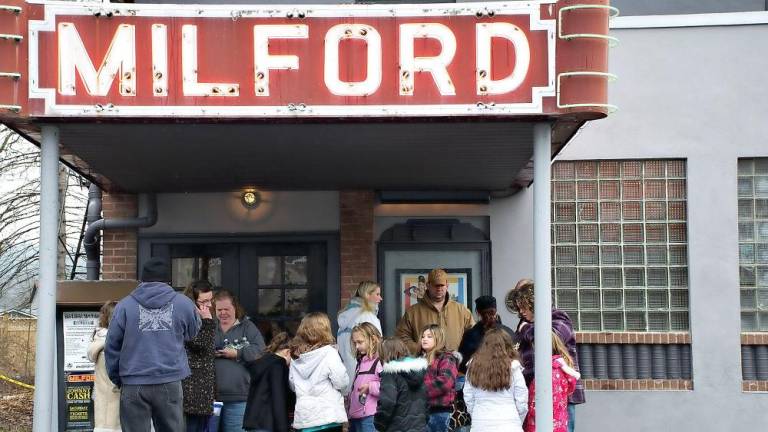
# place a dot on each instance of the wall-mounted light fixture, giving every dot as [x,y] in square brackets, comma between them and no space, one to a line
[250,198]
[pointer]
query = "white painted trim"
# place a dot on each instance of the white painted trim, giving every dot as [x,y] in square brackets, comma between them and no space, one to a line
[237,11]
[294,110]
[691,20]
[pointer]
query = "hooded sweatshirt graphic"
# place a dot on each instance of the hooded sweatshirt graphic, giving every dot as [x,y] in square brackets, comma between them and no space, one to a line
[145,341]
[318,377]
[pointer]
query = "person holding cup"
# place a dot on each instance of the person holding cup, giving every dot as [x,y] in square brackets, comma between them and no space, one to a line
[238,341]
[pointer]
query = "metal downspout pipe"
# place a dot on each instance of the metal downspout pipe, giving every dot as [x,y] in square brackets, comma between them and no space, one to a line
[147,218]
[93,250]
[542,161]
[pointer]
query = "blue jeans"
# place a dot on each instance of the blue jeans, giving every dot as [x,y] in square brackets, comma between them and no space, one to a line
[459,384]
[571,417]
[146,404]
[364,424]
[231,419]
[438,422]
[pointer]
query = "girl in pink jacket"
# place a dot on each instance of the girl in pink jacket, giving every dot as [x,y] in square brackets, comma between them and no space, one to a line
[364,395]
[564,377]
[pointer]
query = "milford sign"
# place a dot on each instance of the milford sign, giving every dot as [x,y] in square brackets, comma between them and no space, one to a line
[119,62]
[95,59]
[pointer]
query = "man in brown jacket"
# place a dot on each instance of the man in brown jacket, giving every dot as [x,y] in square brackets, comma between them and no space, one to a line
[436,307]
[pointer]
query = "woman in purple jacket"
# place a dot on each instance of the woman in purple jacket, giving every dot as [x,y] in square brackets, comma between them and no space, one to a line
[520,300]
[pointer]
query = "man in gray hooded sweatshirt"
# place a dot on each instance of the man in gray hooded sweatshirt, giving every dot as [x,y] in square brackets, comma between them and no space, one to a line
[145,353]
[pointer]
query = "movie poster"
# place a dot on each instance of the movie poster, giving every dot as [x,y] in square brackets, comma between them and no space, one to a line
[78,408]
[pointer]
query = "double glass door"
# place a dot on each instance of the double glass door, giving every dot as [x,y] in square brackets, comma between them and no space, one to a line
[275,282]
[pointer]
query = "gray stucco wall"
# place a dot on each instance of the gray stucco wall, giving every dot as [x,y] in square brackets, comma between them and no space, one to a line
[511,245]
[213,213]
[698,94]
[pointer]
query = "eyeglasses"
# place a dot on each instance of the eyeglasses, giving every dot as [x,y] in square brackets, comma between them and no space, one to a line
[205,303]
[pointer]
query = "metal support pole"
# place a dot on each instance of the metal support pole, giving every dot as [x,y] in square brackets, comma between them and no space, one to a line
[542,314]
[55,392]
[46,292]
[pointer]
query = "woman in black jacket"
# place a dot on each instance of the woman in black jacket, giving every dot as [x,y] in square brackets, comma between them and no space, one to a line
[270,400]
[199,387]
[402,397]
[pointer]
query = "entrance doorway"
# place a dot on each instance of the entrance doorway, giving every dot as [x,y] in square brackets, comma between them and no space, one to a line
[275,279]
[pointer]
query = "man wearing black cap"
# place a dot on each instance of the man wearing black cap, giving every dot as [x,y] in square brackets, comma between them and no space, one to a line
[145,353]
[489,319]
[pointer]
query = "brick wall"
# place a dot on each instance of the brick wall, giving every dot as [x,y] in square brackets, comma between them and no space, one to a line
[633,338]
[638,384]
[749,345]
[754,338]
[119,248]
[356,233]
[754,386]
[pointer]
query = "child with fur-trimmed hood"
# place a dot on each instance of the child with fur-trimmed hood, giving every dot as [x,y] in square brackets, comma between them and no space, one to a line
[402,398]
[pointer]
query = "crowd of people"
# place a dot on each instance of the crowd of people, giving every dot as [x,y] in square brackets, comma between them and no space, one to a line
[192,361]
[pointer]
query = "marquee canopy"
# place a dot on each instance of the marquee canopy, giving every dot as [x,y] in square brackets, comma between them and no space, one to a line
[224,96]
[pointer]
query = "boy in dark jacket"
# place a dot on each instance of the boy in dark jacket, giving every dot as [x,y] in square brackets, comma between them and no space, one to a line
[270,400]
[489,319]
[402,398]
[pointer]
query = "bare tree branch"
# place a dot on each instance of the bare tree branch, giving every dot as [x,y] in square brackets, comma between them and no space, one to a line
[20,218]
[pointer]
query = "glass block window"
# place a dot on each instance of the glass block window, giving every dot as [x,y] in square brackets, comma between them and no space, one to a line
[753,243]
[619,244]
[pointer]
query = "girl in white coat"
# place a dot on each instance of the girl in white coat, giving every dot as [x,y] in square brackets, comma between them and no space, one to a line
[362,307]
[106,396]
[317,376]
[495,391]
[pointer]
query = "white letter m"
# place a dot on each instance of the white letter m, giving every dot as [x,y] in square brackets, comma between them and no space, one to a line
[119,59]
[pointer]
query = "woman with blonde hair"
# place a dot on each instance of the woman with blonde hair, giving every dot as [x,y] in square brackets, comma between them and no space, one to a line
[362,307]
[106,395]
[317,375]
[495,391]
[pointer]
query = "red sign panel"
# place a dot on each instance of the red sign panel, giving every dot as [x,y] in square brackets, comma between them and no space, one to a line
[125,60]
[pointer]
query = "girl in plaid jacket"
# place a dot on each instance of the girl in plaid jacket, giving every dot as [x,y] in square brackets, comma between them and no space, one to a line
[440,380]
